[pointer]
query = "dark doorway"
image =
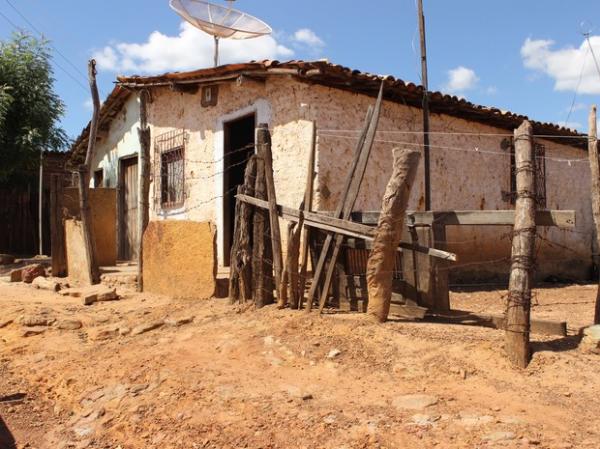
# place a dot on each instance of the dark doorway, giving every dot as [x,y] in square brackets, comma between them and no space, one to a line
[128,204]
[239,146]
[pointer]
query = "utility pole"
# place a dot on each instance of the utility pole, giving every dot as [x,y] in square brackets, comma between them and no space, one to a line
[40,204]
[425,84]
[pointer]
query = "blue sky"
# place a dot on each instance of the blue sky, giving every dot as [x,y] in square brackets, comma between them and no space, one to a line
[527,56]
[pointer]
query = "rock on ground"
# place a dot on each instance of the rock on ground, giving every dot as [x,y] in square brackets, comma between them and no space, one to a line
[414,401]
[30,272]
[143,328]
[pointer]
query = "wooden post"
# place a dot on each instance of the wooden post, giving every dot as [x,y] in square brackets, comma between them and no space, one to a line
[262,266]
[263,139]
[240,277]
[380,266]
[84,182]
[143,184]
[293,253]
[595,180]
[518,324]
[57,227]
[308,199]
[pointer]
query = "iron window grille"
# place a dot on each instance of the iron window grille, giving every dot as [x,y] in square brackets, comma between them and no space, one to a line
[169,169]
[540,173]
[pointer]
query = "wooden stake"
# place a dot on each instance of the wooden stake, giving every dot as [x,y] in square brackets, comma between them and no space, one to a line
[57,227]
[84,182]
[595,180]
[518,324]
[308,199]
[143,184]
[262,267]
[380,266]
[240,277]
[264,151]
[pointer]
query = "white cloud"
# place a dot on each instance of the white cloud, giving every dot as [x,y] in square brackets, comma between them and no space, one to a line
[309,38]
[564,65]
[460,80]
[571,125]
[191,49]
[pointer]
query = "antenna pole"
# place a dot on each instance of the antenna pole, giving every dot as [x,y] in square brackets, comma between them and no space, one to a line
[424,82]
[216,51]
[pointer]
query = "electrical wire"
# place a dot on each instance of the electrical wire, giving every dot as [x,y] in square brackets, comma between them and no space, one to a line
[67,72]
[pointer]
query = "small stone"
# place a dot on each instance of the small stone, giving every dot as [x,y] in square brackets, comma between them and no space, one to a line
[424,420]
[592,331]
[69,325]
[143,328]
[30,272]
[180,321]
[33,331]
[104,333]
[414,401]
[500,436]
[16,276]
[4,323]
[469,420]
[307,397]
[36,320]
[333,353]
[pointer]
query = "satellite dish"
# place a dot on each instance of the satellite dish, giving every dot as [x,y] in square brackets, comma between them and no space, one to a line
[219,21]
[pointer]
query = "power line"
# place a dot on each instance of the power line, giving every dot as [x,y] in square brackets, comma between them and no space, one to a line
[68,73]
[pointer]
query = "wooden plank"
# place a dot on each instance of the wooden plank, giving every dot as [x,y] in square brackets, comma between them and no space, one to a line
[347,228]
[439,270]
[550,218]
[352,194]
[57,227]
[263,145]
[595,191]
[523,247]
[538,327]
[329,239]
[308,199]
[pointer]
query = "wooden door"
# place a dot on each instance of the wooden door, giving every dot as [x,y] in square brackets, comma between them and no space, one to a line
[129,206]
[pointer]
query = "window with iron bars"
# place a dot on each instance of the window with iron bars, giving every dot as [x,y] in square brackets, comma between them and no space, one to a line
[169,169]
[540,173]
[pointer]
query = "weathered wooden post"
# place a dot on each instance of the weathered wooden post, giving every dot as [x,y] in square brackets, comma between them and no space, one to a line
[595,186]
[380,265]
[240,277]
[84,182]
[519,289]
[57,227]
[262,266]
[263,140]
[143,184]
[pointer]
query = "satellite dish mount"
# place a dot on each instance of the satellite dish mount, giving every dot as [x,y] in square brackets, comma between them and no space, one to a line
[219,21]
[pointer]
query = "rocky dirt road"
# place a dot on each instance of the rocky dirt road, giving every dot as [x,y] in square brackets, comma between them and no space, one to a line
[151,372]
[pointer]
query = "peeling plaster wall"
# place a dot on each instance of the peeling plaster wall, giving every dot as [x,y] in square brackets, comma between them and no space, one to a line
[468,171]
[122,141]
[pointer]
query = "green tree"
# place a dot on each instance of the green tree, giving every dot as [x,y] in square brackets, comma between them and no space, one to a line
[29,108]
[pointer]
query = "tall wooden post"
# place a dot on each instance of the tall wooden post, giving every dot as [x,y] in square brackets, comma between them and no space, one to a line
[262,265]
[519,290]
[263,140]
[240,275]
[380,266]
[57,227]
[143,184]
[595,181]
[84,181]
[425,83]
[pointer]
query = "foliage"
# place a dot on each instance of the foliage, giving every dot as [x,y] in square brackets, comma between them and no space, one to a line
[29,108]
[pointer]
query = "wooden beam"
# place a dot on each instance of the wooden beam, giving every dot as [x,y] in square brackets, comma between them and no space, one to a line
[339,226]
[595,191]
[539,327]
[551,218]
[143,212]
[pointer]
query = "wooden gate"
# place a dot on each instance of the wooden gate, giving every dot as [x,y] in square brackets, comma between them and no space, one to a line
[128,202]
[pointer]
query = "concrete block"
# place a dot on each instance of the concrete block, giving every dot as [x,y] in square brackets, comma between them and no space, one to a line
[180,259]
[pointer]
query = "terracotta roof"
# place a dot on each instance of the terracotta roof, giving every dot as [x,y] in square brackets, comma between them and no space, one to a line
[339,77]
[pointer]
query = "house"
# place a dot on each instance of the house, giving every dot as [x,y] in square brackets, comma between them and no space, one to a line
[203,128]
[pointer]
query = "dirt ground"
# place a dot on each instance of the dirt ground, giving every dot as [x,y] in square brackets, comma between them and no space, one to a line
[242,378]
